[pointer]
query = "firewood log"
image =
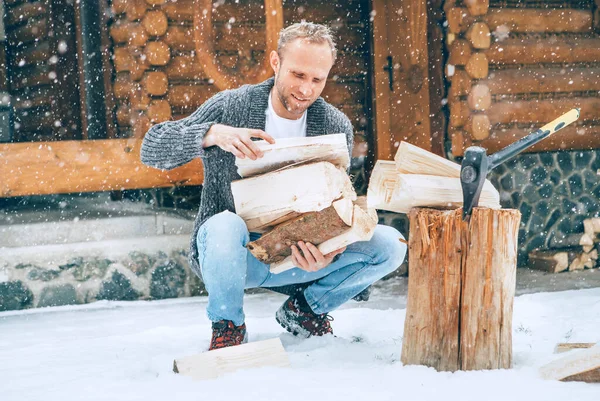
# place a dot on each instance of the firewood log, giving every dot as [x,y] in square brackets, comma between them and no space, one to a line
[411,159]
[571,240]
[564,347]
[552,261]
[583,365]
[294,151]
[364,222]
[306,188]
[312,227]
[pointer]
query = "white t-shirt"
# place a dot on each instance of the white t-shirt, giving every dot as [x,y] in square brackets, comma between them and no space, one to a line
[279,127]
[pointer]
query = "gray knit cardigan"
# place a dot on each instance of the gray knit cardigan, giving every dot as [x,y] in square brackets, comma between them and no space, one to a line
[173,143]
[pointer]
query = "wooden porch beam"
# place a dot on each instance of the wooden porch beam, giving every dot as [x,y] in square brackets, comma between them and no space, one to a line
[41,168]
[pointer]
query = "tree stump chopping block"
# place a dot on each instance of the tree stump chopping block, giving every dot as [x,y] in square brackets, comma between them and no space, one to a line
[461,288]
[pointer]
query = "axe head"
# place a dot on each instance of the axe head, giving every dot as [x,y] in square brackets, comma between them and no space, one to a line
[473,171]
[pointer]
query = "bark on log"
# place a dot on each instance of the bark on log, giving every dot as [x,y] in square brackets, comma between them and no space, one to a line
[307,188]
[312,227]
[157,53]
[155,22]
[479,35]
[505,82]
[552,261]
[461,289]
[477,66]
[156,83]
[524,20]
[550,50]
[480,97]
[364,222]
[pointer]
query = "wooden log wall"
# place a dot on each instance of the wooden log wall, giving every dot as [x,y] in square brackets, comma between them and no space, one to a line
[158,77]
[42,69]
[516,65]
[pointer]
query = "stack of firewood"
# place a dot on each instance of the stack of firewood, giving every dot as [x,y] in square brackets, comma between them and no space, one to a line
[571,252]
[418,178]
[300,191]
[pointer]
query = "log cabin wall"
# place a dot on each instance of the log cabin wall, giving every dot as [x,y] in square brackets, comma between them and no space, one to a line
[159,78]
[512,67]
[42,69]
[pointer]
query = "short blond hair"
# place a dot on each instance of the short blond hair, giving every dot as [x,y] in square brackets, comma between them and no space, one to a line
[313,33]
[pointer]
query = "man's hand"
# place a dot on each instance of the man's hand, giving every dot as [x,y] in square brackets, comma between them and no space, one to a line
[236,140]
[311,259]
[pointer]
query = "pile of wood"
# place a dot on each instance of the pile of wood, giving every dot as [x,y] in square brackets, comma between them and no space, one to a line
[418,178]
[300,191]
[573,252]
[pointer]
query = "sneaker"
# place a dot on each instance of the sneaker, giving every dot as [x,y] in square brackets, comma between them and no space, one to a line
[301,322]
[227,334]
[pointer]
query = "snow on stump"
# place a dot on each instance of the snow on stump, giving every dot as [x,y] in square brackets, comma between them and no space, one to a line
[461,288]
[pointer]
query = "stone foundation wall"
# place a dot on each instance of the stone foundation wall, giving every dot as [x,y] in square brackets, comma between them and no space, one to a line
[137,275]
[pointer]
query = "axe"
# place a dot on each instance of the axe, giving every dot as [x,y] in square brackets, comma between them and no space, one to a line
[476,164]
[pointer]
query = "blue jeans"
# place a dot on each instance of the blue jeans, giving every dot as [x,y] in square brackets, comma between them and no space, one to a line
[228,268]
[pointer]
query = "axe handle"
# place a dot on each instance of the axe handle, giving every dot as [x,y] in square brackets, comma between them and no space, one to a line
[515,148]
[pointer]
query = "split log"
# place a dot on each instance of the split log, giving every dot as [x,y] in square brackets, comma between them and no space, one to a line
[591,226]
[461,289]
[478,125]
[294,151]
[215,363]
[552,261]
[524,20]
[155,23]
[564,347]
[382,184]
[571,240]
[583,365]
[159,110]
[477,66]
[364,222]
[480,98]
[416,190]
[460,52]
[517,81]
[130,33]
[479,35]
[583,261]
[157,53]
[411,159]
[550,50]
[312,227]
[156,83]
[307,188]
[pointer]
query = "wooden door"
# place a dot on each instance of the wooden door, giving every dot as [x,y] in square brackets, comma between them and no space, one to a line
[401,96]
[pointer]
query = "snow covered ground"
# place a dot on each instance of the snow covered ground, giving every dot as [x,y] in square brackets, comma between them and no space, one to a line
[125,350]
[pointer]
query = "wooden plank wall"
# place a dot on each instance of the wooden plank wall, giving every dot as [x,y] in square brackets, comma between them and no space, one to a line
[158,77]
[42,69]
[515,65]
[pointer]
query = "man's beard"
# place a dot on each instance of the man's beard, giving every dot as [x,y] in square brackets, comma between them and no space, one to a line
[286,100]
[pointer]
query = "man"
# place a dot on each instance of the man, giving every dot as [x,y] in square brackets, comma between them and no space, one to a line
[220,130]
